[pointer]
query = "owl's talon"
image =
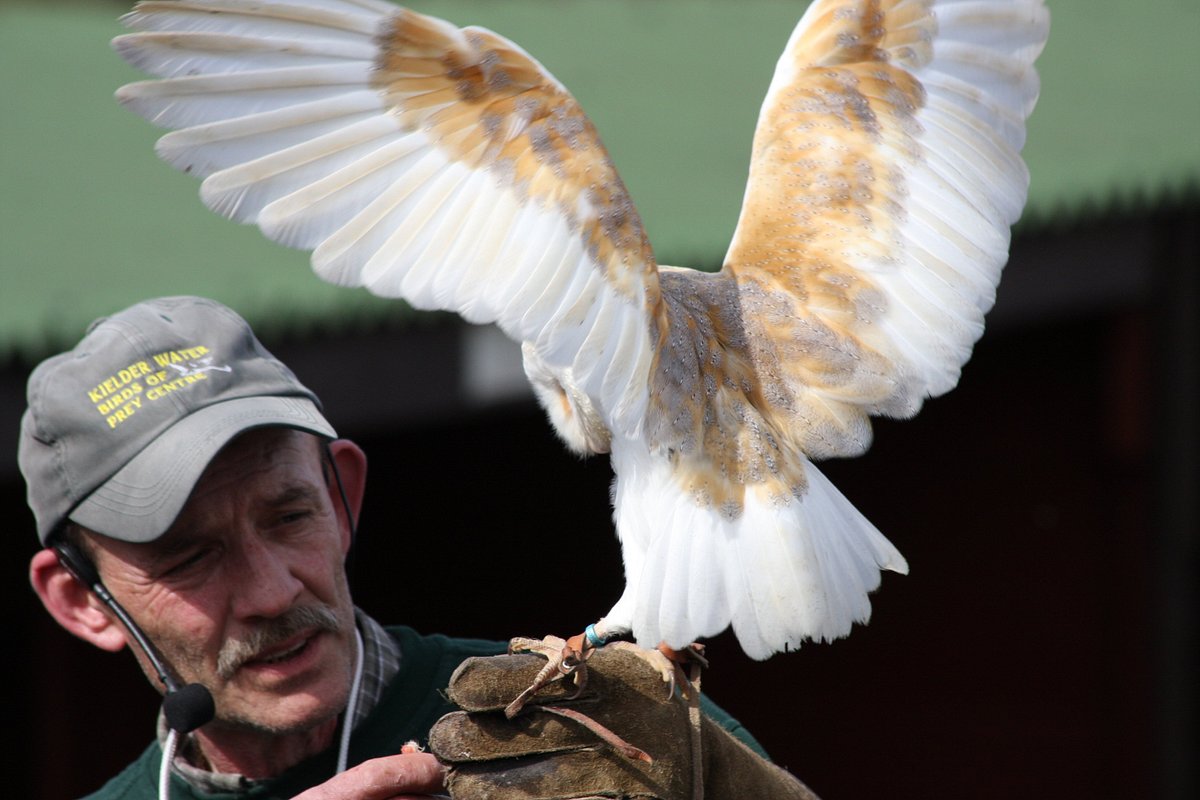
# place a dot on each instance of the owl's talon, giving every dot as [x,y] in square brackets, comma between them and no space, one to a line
[670,664]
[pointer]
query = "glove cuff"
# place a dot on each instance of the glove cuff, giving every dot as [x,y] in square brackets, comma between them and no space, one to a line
[733,771]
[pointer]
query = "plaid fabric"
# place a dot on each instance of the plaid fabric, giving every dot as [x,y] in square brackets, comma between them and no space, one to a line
[381,662]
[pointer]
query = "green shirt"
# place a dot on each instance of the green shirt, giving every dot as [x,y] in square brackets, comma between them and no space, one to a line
[409,707]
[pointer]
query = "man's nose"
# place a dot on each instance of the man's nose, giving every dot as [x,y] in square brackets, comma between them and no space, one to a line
[265,583]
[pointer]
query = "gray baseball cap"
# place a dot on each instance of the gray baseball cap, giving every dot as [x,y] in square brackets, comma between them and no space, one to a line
[118,430]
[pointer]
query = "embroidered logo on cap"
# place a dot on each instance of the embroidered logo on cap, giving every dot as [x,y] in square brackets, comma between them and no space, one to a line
[122,394]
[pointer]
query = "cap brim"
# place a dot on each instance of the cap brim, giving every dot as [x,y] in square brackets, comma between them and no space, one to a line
[145,496]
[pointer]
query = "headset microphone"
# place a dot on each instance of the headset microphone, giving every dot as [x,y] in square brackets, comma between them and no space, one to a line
[186,707]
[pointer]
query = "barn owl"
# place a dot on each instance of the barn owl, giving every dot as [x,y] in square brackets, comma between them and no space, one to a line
[447,167]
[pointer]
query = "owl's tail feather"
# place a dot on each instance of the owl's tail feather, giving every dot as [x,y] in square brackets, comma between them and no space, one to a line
[780,572]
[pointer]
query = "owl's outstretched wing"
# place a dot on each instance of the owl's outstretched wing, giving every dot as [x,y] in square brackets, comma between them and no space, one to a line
[884,180]
[441,165]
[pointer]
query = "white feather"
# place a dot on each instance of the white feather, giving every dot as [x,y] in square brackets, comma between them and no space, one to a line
[172,55]
[184,102]
[204,149]
[241,192]
[288,21]
[313,213]
[506,253]
[779,573]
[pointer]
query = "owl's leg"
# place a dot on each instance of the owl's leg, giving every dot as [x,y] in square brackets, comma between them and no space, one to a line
[564,658]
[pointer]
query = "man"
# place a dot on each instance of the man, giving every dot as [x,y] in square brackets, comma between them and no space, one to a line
[182,476]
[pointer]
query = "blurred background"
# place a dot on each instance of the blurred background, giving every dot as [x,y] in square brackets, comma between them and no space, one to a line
[1044,644]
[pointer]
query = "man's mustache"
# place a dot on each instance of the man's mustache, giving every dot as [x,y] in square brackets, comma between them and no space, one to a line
[236,652]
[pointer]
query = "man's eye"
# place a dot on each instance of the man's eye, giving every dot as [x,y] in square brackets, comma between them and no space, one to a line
[187,563]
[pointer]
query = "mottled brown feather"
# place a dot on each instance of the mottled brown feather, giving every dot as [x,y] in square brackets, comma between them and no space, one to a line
[491,106]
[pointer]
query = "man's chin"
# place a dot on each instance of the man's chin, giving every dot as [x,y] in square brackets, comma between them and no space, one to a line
[296,715]
[275,725]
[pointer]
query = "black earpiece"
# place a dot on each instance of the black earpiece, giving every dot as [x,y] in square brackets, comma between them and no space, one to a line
[337,478]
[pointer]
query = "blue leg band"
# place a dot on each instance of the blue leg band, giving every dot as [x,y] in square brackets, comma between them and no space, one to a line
[590,633]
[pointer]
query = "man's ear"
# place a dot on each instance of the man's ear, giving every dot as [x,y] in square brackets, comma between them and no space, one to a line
[72,604]
[351,464]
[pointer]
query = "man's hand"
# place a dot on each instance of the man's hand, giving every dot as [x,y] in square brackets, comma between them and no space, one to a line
[408,776]
[544,754]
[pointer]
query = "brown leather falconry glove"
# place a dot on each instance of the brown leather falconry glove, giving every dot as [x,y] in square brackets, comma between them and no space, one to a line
[624,734]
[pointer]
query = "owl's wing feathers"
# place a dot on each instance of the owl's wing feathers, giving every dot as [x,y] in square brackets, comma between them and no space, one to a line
[420,160]
[885,177]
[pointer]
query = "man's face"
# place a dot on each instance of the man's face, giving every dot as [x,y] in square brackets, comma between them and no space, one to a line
[246,593]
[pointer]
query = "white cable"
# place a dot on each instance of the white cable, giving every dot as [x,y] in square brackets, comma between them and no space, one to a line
[164,770]
[348,717]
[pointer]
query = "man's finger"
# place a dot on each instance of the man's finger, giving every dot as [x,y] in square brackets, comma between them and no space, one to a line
[407,774]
